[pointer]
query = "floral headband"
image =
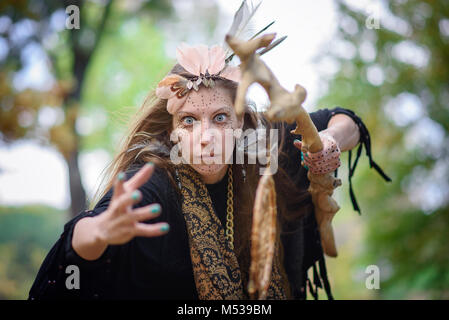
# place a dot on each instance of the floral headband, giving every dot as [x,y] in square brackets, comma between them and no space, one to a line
[206,64]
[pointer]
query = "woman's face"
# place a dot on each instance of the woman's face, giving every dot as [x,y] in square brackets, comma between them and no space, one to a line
[207,124]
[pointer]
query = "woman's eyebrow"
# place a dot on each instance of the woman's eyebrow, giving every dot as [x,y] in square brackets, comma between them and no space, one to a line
[183,113]
[226,108]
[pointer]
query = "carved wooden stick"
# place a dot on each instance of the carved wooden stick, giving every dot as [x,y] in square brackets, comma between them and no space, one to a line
[263,237]
[287,106]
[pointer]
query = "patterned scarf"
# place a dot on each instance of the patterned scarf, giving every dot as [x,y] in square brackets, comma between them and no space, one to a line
[215,266]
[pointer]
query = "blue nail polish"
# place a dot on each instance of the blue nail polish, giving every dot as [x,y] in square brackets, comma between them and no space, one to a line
[135,195]
[155,208]
[165,228]
[121,176]
[150,164]
[302,161]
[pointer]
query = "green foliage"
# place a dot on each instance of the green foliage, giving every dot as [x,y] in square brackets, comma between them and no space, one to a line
[127,64]
[123,56]
[405,225]
[26,236]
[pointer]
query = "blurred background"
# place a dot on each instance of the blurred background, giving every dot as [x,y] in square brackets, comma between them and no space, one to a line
[66,95]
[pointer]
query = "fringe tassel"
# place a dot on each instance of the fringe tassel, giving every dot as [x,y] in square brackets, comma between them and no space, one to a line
[365,140]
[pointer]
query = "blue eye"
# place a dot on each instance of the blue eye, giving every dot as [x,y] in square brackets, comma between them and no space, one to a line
[221,117]
[188,120]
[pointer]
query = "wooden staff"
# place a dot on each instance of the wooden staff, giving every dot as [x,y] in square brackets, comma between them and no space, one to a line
[285,106]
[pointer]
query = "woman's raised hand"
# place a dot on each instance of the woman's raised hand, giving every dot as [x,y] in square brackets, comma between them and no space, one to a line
[120,223]
[325,161]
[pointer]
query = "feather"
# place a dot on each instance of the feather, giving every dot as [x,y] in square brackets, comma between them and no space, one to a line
[232,73]
[202,59]
[174,104]
[263,29]
[169,80]
[244,25]
[241,26]
[188,58]
[216,59]
[229,58]
[199,59]
[272,45]
[163,90]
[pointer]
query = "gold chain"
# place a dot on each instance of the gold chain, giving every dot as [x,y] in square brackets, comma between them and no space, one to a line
[230,210]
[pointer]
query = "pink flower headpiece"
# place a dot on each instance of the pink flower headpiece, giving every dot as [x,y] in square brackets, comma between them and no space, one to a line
[206,64]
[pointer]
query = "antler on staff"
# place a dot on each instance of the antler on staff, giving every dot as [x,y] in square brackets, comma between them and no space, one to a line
[287,106]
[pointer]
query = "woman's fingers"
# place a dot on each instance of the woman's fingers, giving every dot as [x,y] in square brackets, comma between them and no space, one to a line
[327,160]
[118,186]
[148,212]
[140,177]
[151,230]
[125,201]
[297,143]
[121,186]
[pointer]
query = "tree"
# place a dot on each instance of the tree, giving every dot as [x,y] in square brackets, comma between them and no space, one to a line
[33,28]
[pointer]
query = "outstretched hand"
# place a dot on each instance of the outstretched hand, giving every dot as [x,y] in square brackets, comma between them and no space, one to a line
[120,222]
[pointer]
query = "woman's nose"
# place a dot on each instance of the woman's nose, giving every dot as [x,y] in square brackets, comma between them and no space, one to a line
[206,134]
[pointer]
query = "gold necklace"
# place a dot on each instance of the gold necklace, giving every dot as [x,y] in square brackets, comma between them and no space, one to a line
[230,210]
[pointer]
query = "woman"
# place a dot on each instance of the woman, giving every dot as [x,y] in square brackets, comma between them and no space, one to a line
[171,229]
